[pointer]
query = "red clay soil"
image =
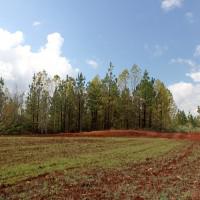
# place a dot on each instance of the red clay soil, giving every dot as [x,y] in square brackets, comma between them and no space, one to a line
[134,133]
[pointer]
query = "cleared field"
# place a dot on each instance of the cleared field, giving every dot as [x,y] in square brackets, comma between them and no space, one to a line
[98,168]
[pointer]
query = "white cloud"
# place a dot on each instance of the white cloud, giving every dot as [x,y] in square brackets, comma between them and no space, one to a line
[156,50]
[197,51]
[189,17]
[36,23]
[171,4]
[186,96]
[192,64]
[18,62]
[92,63]
[195,76]
[10,40]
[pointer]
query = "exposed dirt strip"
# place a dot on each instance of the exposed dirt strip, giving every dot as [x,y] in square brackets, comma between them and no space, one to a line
[121,133]
[134,133]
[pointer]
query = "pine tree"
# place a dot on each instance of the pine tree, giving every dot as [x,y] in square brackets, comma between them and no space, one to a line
[125,99]
[164,107]
[80,93]
[2,96]
[146,94]
[38,102]
[110,96]
[94,101]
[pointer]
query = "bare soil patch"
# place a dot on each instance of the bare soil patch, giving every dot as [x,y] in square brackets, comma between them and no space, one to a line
[134,133]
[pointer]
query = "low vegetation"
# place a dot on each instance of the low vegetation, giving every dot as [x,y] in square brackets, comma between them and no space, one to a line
[22,157]
[35,167]
[98,168]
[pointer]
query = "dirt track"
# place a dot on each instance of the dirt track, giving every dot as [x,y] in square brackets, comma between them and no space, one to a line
[134,133]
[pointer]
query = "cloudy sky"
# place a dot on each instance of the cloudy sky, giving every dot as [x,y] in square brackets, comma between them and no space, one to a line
[67,36]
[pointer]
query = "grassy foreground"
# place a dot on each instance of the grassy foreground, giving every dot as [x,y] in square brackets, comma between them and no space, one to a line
[50,166]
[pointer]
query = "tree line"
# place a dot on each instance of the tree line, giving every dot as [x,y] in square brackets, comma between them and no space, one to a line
[133,100]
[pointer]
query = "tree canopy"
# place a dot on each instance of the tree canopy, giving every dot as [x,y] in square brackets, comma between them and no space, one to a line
[131,100]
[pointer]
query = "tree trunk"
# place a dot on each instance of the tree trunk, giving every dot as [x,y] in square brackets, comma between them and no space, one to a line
[79,114]
[144,115]
[37,115]
[139,117]
[150,118]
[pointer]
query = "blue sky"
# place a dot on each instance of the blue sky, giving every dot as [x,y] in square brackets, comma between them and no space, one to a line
[161,36]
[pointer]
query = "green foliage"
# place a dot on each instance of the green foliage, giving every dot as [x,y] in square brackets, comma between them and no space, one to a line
[110,94]
[38,102]
[2,96]
[181,117]
[80,99]
[146,95]
[94,102]
[164,107]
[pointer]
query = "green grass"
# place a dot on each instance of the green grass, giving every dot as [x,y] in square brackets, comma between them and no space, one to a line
[24,157]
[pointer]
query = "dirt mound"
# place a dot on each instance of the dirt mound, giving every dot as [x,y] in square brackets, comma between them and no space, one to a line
[134,133]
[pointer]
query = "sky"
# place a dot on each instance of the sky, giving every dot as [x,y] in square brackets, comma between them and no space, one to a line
[69,36]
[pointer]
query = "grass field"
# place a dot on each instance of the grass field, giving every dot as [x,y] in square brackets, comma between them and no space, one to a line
[98,168]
